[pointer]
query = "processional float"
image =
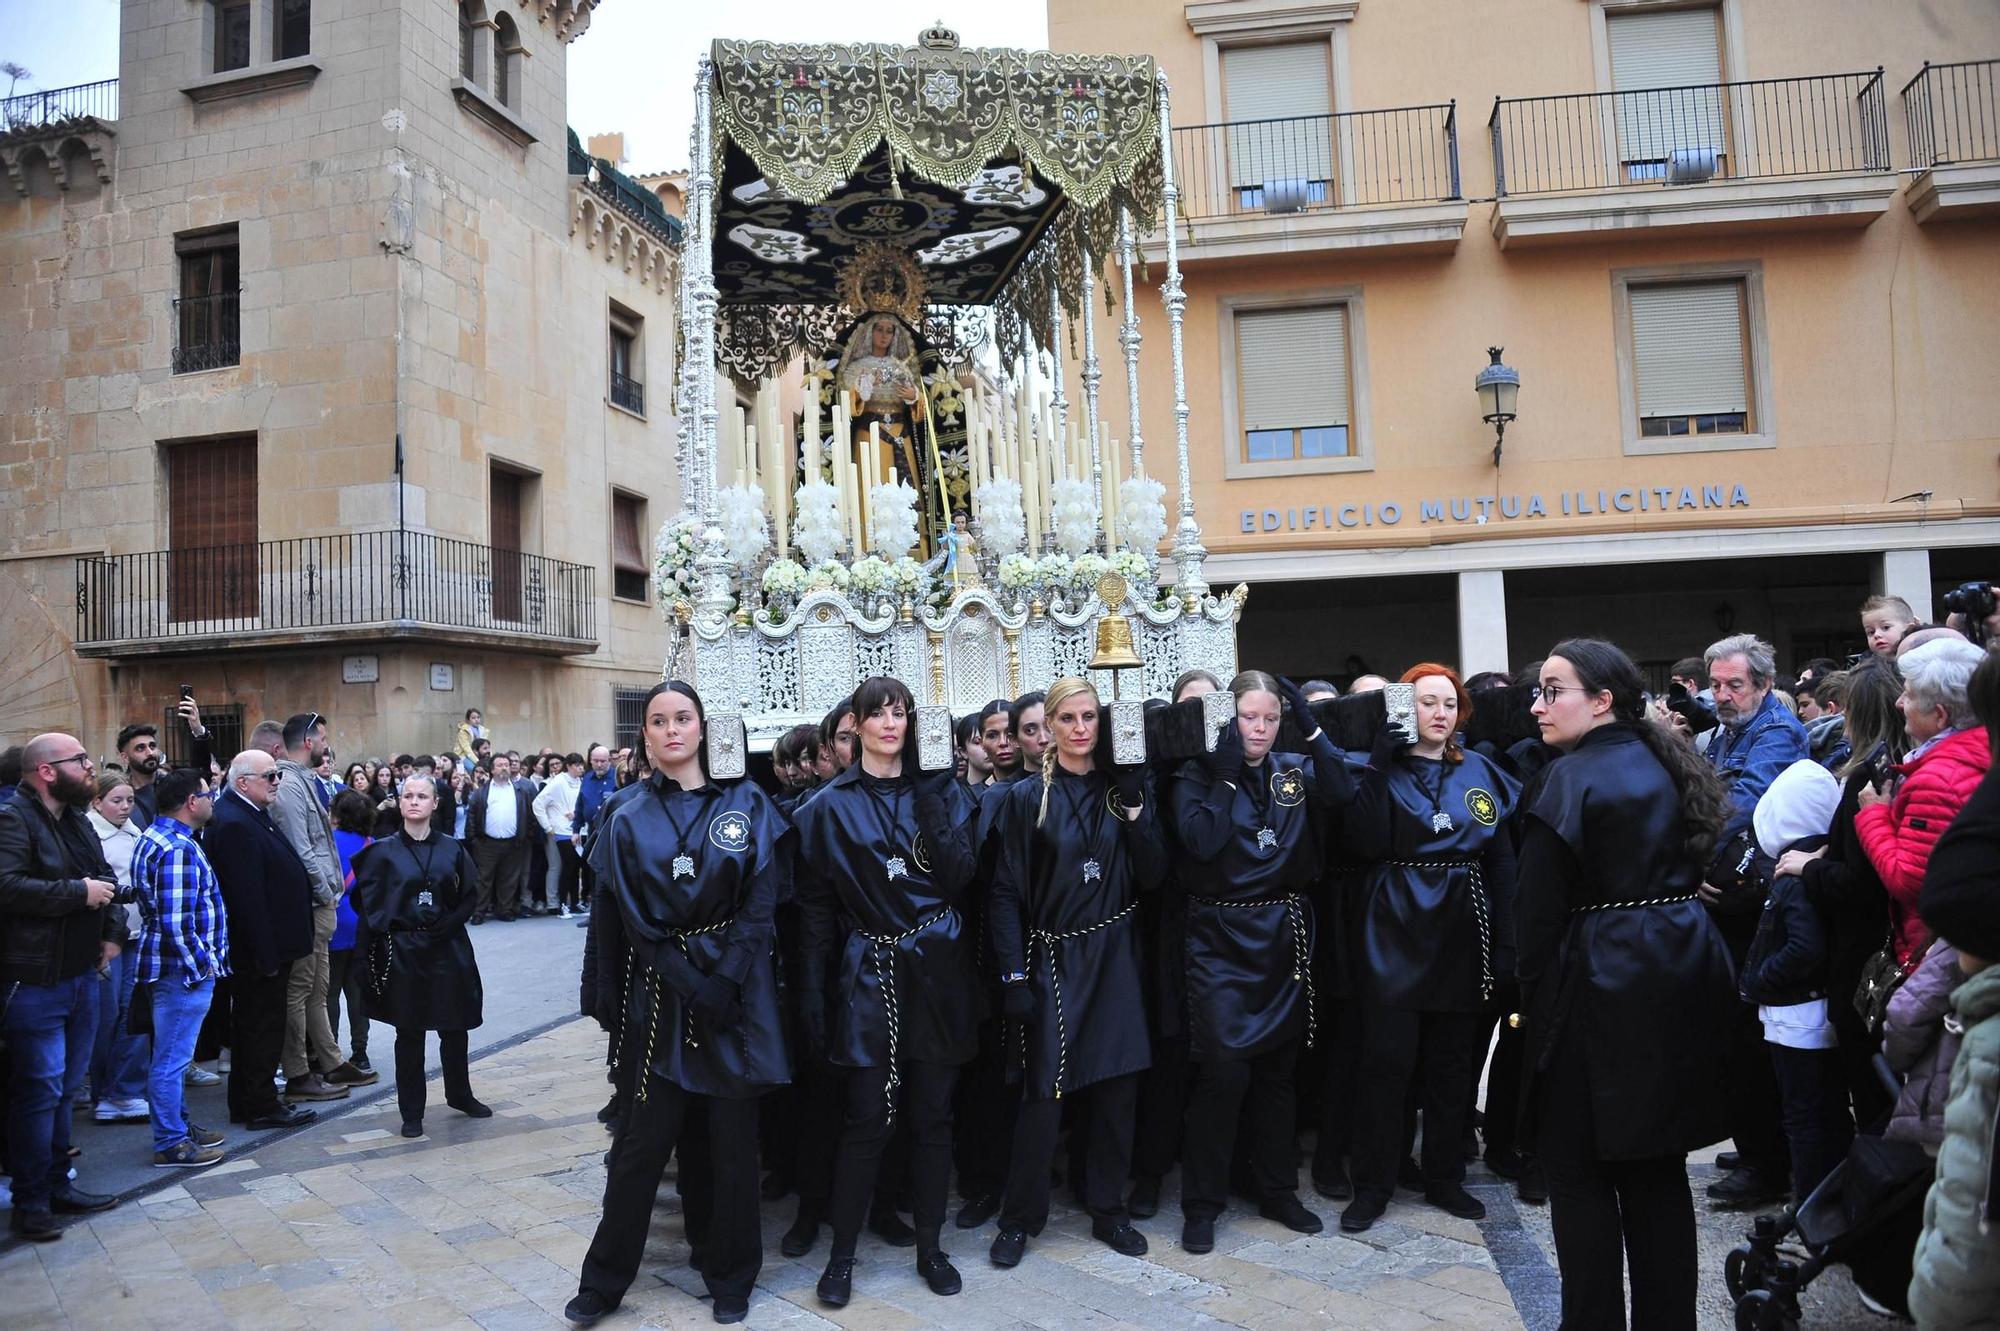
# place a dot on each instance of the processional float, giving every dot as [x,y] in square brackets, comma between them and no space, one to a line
[917,233]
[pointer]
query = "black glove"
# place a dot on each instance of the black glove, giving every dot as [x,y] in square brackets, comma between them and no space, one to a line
[1226,763]
[1017,1000]
[1295,698]
[812,1020]
[1390,740]
[717,1000]
[1130,782]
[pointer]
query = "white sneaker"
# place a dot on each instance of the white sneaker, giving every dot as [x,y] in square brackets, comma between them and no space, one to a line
[197,1075]
[122,1111]
[563,913]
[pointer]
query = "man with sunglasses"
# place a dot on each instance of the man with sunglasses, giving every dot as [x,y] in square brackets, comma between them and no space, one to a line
[55,935]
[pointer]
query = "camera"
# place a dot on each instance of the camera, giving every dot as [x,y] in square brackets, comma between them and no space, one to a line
[1973,600]
[1690,708]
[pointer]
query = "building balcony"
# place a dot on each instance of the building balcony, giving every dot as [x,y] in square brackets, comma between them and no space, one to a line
[1769,154]
[208,332]
[628,393]
[68,131]
[1360,180]
[381,586]
[1953,115]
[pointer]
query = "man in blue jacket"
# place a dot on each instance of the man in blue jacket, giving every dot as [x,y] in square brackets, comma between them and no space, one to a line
[267,894]
[1756,738]
[600,783]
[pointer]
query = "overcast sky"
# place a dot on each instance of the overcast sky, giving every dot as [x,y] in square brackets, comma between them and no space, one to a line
[632,71]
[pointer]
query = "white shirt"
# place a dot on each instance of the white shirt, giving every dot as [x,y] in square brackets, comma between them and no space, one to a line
[502,814]
[555,807]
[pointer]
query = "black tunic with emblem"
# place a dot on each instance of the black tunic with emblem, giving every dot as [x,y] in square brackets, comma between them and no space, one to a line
[882,876]
[1064,903]
[1434,919]
[419,895]
[687,883]
[1254,852]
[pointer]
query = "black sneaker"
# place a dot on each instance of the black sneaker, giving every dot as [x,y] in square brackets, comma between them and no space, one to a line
[803,1236]
[1533,1185]
[977,1210]
[75,1201]
[1198,1234]
[1007,1248]
[938,1272]
[1362,1213]
[836,1283]
[1728,1161]
[587,1307]
[1453,1198]
[1292,1214]
[1144,1203]
[891,1229]
[727,1311]
[1747,1188]
[1119,1236]
[468,1106]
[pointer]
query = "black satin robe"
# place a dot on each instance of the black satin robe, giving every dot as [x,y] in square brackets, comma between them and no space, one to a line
[1249,924]
[1064,909]
[889,901]
[433,977]
[661,932]
[1432,932]
[1640,994]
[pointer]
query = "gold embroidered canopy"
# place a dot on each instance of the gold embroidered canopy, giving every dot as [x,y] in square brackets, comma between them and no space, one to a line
[1003,172]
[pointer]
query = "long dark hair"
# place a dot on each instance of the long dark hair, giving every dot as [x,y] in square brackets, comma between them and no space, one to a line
[686,690]
[1602,667]
[1872,719]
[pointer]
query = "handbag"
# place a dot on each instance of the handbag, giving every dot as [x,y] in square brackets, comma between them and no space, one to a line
[1880,979]
[139,1013]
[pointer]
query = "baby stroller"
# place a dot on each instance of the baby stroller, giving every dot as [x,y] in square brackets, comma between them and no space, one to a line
[1865,1216]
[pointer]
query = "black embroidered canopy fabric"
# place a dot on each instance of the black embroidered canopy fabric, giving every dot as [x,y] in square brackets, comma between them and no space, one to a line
[1002,171]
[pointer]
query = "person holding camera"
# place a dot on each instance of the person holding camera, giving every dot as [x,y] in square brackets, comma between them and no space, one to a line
[1973,610]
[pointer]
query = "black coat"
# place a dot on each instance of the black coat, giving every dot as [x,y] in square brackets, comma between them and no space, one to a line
[1063,910]
[46,932]
[686,885]
[1435,922]
[526,829]
[1787,961]
[1621,968]
[1252,854]
[882,878]
[419,895]
[265,887]
[1849,893]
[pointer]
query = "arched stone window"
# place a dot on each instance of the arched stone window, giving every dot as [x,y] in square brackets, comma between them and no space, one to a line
[472,30]
[506,62]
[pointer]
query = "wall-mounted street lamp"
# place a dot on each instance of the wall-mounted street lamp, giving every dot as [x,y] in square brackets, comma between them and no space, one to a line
[1499,386]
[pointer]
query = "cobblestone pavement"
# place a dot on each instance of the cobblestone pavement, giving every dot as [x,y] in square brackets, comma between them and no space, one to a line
[483,1224]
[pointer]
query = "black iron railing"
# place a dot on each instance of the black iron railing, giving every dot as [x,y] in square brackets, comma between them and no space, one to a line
[357,580]
[1819,125]
[1953,113]
[57,106]
[628,392]
[207,332]
[1301,163]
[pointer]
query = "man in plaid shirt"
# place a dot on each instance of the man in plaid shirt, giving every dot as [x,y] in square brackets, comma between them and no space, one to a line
[183,948]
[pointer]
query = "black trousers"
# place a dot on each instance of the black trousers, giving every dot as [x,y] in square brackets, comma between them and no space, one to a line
[731,1244]
[1440,1050]
[1812,1085]
[347,978]
[1342,1036]
[925,1112]
[986,1112]
[1641,1210]
[1755,1121]
[217,1025]
[256,1042]
[410,1085]
[1163,1091]
[1102,1138]
[818,1103]
[570,880]
[1214,1104]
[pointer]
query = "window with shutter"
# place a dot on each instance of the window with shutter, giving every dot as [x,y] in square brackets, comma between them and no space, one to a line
[505,501]
[212,528]
[1665,65]
[1292,380]
[1688,358]
[207,330]
[1280,102]
[628,553]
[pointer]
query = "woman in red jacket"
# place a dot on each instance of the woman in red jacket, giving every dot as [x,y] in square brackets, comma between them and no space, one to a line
[1948,756]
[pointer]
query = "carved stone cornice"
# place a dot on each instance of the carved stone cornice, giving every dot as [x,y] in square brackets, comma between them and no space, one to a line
[605,228]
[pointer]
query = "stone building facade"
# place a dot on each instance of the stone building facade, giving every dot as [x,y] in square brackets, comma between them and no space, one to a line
[338,378]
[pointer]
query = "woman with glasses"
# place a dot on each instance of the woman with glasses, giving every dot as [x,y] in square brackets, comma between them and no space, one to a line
[1626,989]
[689,870]
[1247,815]
[1433,934]
[414,892]
[886,855]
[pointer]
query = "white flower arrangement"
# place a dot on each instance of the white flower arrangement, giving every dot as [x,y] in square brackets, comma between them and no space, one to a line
[786,578]
[1018,572]
[1073,512]
[909,577]
[1142,516]
[674,551]
[1053,570]
[817,529]
[740,510]
[1133,568]
[871,575]
[892,520]
[1002,524]
[1087,569]
[829,575]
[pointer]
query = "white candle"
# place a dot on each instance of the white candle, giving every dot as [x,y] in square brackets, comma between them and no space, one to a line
[811,423]
[747,455]
[853,492]
[1109,454]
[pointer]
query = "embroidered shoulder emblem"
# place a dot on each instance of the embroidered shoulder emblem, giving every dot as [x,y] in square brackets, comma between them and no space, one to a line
[730,831]
[1482,807]
[1289,787]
